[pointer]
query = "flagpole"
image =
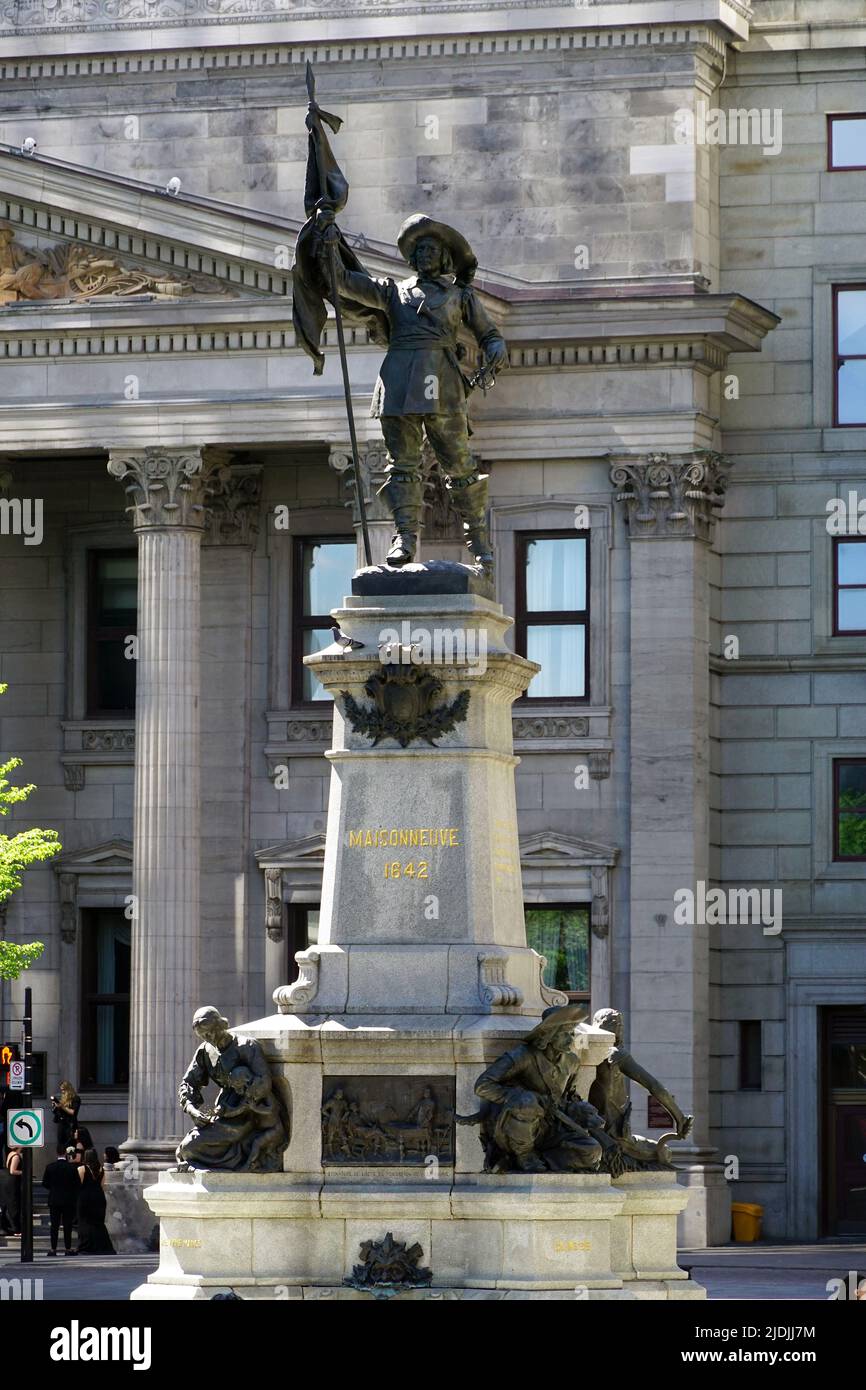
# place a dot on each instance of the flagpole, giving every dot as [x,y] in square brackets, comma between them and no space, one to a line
[350,414]
[331,243]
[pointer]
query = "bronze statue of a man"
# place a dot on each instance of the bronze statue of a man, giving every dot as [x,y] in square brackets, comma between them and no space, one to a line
[422,388]
[609,1093]
[532,1118]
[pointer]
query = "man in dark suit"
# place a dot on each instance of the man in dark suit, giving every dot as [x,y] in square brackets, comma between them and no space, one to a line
[60,1179]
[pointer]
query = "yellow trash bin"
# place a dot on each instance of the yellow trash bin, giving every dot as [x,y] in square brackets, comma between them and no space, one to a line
[747,1218]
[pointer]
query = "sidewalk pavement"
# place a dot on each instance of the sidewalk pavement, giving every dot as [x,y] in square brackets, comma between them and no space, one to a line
[764,1271]
[755,1273]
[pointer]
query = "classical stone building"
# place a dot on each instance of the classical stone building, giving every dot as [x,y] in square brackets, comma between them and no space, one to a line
[670,228]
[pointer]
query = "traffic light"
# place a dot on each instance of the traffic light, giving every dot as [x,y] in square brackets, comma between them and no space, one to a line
[9,1052]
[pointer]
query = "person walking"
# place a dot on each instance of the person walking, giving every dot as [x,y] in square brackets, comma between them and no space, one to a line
[93,1238]
[61,1182]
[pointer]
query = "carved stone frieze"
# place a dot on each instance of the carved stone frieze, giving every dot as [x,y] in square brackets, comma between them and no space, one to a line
[669,496]
[24,15]
[549,726]
[108,740]
[72,270]
[166,487]
[386,1120]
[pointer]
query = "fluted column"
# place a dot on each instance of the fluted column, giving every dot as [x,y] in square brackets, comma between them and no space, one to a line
[670,504]
[166,491]
[380,523]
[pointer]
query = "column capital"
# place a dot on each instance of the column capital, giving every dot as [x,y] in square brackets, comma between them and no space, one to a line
[233,505]
[166,487]
[670,495]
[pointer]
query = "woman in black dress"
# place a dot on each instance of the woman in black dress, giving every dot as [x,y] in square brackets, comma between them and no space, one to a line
[11,1193]
[65,1107]
[93,1238]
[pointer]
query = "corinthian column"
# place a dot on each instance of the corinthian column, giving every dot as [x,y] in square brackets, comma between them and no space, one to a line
[166,491]
[670,506]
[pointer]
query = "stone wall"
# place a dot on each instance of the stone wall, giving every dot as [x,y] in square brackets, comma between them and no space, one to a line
[795,696]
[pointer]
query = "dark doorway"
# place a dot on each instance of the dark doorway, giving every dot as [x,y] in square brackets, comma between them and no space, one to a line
[845,1120]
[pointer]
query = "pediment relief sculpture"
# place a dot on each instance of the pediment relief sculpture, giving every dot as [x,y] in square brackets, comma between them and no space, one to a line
[72,270]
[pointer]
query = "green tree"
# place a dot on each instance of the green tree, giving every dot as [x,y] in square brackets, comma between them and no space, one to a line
[17,852]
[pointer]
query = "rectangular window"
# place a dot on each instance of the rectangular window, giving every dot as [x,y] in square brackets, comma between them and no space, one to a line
[112,607]
[849,809]
[751,1056]
[106,961]
[846,142]
[849,587]
[552,603]
[303,931]
[323,571]
[561,935]
[849,336]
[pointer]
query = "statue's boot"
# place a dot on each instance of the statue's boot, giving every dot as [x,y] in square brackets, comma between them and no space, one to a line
[404,494]
[530,1163]
[469,499]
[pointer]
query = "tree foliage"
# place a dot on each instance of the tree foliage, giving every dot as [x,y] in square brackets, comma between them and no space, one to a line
[17,852]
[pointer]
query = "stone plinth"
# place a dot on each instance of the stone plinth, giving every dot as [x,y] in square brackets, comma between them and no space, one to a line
[422,908]
[490,1237]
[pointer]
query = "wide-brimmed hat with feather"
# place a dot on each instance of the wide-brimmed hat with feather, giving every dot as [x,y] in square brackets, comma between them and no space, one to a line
[419,225]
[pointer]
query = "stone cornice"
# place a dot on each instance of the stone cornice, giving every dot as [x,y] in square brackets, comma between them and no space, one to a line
[543,335]
[403,28]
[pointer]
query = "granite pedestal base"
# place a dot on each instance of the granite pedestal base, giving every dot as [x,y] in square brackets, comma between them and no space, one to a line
[485,1236]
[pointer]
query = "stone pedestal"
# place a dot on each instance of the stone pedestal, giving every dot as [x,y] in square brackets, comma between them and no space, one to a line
[421,978]
[549,1236]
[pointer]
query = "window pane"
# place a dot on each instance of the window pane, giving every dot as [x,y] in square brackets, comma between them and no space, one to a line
[852,610]
[327,569]
[751,1069]
[848,143]
[848,1065]
[851,311]
[852,393]
[851,810]
[560,653]
[562,936]
[312,926]
[113,955]
[556,575]
[114,676]
[852,562]
[315,638]
[117,588]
